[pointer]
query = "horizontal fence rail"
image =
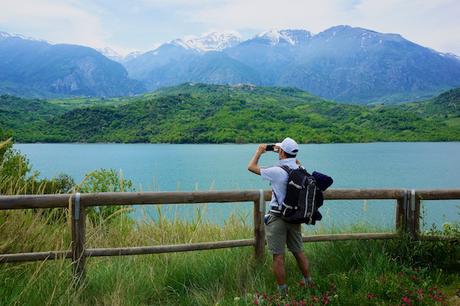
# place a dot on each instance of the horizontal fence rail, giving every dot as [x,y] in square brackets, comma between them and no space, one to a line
[182,197]
[170,248]
[407,214]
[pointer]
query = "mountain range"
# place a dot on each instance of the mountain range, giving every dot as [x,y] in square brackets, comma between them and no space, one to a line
[342,63]
[36,68]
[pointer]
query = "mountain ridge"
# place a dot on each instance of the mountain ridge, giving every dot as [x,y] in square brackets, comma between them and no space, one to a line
[341,63]
[38,68]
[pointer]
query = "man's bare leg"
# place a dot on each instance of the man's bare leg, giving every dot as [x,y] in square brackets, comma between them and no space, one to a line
[302,263]
[280,274]
[278,269]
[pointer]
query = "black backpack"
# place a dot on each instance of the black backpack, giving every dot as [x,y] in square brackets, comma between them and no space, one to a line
[303,197]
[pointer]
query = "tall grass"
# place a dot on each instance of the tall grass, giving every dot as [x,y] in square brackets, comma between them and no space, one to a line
[345,273]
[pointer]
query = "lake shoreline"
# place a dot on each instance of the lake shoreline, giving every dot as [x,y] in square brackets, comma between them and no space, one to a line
[234,143]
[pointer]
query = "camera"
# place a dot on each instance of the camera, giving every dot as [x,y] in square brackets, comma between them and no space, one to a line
[270,147]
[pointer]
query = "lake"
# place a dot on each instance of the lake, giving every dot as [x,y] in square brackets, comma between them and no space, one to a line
[185,167]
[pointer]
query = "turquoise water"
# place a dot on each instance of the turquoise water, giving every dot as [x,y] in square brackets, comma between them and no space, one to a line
[170,167]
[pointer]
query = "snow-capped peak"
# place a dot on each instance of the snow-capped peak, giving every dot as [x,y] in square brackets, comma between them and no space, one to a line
[447,54]
[5,35]
[212,41]
[292,37]
[133,55]
[117,57]
[109,52]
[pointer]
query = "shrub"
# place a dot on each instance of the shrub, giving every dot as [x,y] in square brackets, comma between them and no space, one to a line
[105,180]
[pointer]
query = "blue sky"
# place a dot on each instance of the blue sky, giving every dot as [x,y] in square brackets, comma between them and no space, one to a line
[143,24]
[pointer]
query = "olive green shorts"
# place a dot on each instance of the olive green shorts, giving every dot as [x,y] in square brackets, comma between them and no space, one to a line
[279,233]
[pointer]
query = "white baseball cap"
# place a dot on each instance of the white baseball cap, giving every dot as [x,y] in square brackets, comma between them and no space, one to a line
[289,146]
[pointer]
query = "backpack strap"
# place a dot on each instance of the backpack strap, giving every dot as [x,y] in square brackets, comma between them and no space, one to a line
[289,170]
[276,198]
[286,168]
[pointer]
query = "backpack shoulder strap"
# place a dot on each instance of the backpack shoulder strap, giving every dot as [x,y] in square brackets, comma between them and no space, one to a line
[286,168]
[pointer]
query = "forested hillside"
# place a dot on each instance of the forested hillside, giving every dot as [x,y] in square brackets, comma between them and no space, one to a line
[199,113]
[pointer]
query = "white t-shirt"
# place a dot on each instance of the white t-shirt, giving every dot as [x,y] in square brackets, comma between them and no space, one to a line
[278,180]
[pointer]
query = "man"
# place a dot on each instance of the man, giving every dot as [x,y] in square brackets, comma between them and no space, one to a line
[280,233]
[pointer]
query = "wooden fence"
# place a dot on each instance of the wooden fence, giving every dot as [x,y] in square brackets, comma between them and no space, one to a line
[407,215]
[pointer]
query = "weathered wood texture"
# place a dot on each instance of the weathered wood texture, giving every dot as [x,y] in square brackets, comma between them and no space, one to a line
[78,216]
[400,215]
[355,236]
[363,194]
[178,197]
[415,225]
[34,256]
[39,256]
[169,248]
[438,194]
[259,229]
[407,218]
[127,198]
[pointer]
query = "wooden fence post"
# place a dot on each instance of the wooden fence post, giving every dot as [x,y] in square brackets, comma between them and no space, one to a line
[78,239]
[401,213]
[412,212]
[259,228]
[415,215]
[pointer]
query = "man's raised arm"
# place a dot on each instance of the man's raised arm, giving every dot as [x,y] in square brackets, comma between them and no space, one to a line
[253,163]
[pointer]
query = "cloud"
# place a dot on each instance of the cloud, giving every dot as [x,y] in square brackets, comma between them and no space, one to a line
[125,26]
[53,20]
[430,23]
[265,14]
[178,3]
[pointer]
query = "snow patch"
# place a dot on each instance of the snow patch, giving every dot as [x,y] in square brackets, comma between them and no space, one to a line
[5,35]
[211,41]
[291,37]
[109,52]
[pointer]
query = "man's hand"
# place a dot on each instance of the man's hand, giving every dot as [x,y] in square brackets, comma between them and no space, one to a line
[262,148]
[253,167]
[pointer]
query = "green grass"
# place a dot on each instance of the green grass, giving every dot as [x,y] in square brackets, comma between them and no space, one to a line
[345,273]
[454,122]
[73,103]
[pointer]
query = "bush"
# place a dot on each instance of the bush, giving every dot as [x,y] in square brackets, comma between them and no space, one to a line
[105,180]
[442,254]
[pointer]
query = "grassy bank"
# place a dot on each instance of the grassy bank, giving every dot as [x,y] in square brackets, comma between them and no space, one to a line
[345,273]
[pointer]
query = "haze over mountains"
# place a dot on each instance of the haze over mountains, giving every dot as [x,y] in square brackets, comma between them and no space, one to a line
[36,68]
[342,63]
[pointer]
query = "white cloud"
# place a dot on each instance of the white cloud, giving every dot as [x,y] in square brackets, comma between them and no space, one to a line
[434,24]
[134,24]
[182,3]
[54,21]
[431,23]
[265,14]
